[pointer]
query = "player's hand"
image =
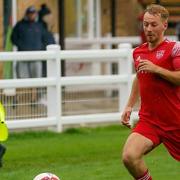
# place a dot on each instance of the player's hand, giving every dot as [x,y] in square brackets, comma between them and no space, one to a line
[125,117]
[147,66]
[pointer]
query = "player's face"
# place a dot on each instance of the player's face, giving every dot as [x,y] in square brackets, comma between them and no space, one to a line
[154,28]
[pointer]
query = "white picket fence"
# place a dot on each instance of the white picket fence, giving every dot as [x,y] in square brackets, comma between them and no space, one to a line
[54,83]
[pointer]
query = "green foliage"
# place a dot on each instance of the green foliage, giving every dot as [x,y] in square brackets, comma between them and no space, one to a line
[78,154]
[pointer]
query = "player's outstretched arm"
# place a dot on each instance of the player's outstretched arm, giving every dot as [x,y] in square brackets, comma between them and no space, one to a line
[125,117]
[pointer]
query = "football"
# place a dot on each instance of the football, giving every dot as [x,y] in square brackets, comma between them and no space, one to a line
[46,176]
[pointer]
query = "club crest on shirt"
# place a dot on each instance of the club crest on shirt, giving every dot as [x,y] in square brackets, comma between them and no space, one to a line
[160,54]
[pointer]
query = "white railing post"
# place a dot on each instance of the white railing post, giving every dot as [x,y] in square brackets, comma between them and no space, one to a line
[54,83]
[54,94]
[125,67]
[96,66]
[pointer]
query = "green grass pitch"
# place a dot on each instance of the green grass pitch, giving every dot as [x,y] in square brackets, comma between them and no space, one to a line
[79,154]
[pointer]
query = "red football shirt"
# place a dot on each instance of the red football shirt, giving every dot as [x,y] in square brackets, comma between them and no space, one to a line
[160,99]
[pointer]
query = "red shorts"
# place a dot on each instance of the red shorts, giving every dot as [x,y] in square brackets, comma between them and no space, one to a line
[171,139]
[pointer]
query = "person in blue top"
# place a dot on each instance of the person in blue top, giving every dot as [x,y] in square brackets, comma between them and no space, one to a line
[30,35]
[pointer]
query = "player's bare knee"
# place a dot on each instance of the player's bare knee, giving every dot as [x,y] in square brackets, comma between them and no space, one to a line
[129,158]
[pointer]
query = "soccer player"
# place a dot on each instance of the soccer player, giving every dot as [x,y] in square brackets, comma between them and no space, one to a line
[157,63]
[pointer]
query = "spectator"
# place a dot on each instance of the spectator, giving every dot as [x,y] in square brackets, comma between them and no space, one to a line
[29,35]
[141,31]
[140,20]
[44,18]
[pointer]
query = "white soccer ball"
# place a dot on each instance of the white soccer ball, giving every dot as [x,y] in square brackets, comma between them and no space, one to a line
[46,176]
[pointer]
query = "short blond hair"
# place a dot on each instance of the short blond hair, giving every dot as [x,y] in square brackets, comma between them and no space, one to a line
[156,9]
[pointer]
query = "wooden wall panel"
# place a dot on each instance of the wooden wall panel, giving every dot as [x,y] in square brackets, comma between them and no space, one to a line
[127,14]
[126,17]
[106,17]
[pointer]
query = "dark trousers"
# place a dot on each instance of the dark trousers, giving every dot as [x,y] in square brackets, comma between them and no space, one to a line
[44,68]
[178,37]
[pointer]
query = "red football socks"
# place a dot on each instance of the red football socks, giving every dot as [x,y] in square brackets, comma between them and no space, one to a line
[146,176]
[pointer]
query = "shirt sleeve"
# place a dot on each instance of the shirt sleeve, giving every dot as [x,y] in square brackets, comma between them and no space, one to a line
[176,56]
[176,63]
